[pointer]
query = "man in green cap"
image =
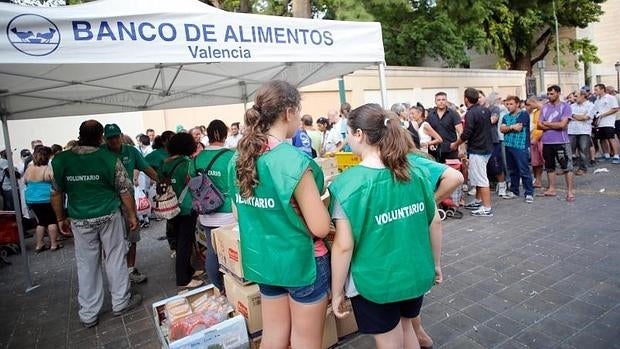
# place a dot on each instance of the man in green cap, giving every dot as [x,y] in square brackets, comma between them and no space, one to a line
[133,162]
[95,184]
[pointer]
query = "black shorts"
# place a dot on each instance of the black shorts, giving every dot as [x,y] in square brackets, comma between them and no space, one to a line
[374,318]
[606,132]
[44,213]
[617,128]
[557,153]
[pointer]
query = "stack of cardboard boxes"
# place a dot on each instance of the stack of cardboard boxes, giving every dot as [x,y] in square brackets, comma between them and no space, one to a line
[245,296]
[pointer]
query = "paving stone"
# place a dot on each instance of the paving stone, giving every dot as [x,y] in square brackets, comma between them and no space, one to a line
[461,322]
[554,328]
[486,336]
[577,314]
[505,325]
[463,342]
[535,339]
[441,333]
[479,312]
[585,340]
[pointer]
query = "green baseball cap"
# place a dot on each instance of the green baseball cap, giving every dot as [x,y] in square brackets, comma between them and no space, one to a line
[111,130]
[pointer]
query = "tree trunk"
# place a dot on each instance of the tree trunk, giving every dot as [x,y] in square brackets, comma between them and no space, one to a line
[302,8]
[523,62]
[244,6]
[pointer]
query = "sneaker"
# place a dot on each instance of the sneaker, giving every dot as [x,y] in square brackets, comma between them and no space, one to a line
[90,324]
[580,172]
[173,254]
[509,195]
[529,199]
[501,192]
[482,212]
[615,161]
[137,277]
[474,205]
[472,191]
[134,302]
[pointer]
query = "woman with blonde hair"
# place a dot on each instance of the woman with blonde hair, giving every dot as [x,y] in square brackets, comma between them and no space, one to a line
[282,221]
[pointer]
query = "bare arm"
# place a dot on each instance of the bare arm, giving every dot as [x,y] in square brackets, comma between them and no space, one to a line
[435,137]
[342,251]
[436,241]
[57,201]
[130,206]
[449,181]
[309,200]
[151,173]
[558,125]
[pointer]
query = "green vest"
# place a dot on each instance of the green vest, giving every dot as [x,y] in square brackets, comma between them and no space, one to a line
[131,158]
[156,158]
[392,257]
[89,182]
[178,179]
[218,173]
[276,246]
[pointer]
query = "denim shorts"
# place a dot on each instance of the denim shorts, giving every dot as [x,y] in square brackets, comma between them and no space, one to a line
[304,294]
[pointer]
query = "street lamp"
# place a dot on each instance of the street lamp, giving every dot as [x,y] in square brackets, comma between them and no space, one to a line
[617,66]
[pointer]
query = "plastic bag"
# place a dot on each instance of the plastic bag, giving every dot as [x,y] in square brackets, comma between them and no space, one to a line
[143,206]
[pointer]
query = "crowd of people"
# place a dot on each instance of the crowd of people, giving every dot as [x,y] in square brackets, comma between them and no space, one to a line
[382,210]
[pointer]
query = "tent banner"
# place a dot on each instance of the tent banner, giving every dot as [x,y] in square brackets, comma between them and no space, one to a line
[140,31]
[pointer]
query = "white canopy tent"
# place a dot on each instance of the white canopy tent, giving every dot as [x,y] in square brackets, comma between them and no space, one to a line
[131,55]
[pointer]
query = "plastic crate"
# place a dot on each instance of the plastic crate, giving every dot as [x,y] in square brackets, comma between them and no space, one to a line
[346,160]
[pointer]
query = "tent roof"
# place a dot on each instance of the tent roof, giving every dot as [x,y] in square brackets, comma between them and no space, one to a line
[117,55]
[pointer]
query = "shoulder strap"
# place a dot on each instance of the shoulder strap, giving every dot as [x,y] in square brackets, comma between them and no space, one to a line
[174,168]
[220,153]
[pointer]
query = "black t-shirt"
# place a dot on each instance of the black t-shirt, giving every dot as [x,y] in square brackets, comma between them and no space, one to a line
[477,130]
[445,126]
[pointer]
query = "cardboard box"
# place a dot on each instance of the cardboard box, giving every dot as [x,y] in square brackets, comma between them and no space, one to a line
[229,334]
[247,302]
[330,335]
[226,244]
[348,325]
[329,167]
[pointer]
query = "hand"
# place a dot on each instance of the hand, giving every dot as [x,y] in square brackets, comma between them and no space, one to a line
[133,223]
[339,305]
[438,275]
[494,119]
[65,226]
[517,127]
[453,146]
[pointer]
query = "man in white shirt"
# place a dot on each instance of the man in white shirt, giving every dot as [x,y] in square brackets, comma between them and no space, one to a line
[579,131]
[333,142]
[606,107]
[235,136]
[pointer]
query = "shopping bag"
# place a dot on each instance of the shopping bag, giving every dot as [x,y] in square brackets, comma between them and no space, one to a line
[143,206]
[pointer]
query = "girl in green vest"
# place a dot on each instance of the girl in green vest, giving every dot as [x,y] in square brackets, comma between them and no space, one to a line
[386,252]
[183,226]
[282,221]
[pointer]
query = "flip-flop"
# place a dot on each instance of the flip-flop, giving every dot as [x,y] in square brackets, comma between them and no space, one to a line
[545,194]
[58,247]
[40,249]
[570,198]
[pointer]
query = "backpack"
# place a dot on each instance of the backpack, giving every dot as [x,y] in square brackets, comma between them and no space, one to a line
[206,197]
[166,204]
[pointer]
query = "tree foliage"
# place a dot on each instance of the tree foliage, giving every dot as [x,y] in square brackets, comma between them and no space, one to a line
[519,32]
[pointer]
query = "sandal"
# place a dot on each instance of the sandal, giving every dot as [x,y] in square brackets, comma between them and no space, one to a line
[570,198]
[58,247]
[546,194]
[192,284]
[198,274]
[40,249]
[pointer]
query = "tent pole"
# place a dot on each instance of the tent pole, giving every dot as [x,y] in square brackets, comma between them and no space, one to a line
[16,202]
[382,84]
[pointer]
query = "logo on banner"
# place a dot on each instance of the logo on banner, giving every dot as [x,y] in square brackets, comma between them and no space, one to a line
[33,35]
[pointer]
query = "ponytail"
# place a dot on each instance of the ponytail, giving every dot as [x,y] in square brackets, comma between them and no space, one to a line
[383,129]
[272,99]
[394,147]
[251,145]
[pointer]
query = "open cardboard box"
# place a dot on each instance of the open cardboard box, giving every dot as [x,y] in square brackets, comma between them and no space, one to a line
[228,334]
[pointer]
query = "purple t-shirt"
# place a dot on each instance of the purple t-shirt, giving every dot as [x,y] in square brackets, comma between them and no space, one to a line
[555,113]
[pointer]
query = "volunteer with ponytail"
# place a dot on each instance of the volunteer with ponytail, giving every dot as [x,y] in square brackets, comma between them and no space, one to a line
[388,234]
[282,221]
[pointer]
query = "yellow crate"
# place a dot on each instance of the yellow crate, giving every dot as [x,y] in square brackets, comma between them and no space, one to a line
[346,160]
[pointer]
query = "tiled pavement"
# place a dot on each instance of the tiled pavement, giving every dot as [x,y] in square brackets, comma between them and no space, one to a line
[545,275]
